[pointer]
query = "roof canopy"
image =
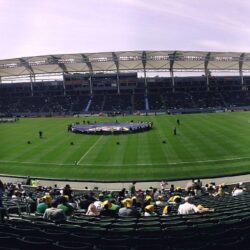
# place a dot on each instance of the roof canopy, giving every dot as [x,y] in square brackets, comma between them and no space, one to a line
[126,61]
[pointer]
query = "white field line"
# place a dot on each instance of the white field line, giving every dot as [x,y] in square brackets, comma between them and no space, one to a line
[38,163]
[130,164]
[89,150]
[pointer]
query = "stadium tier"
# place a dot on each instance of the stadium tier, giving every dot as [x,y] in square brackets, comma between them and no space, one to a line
[121,82]
[189,94]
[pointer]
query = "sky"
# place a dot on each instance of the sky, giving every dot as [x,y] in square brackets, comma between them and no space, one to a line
[42,27]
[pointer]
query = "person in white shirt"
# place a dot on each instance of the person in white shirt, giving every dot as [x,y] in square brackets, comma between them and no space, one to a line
[189,208]
[238,190]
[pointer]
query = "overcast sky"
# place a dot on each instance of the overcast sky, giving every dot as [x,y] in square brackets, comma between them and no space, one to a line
[41,27]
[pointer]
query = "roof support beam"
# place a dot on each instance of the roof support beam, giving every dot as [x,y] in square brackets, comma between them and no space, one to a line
[171,68]
[116,61]
[88,63]
[31,73]
[144,64]
[206,69]
[64,69]
[241,62]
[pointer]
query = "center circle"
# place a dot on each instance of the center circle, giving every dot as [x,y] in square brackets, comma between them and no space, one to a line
[107,128]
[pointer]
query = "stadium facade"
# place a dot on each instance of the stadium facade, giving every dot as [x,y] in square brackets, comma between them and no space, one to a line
[110,82]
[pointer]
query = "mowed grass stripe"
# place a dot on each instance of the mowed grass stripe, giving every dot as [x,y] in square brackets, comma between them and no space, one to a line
[203,139]
[110,172]
[163,129]
[223,137]
[209,136]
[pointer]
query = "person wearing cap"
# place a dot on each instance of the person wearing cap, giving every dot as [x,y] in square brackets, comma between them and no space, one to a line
[147,200]
[166,210]
[160,201]
[149,210]
[189,208]
[43,205]
[65,206]
[175,200]
[106,209]
[128,209]
[221,191]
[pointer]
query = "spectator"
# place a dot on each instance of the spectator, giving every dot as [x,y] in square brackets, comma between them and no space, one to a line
[92,210]
[238,190]
[163,184]
[132,188]
[98,205]
[166,211]
[65,206]
[43,205]
[128,209]
[190,185]
[189,208]
[107,211]
[85,202]
[175,200]
[67,191]
[54,214]
[147,201]
[31,203]
[171,189]
[149,210]
[28,181]
[2,189]
[221,191]
[160,202]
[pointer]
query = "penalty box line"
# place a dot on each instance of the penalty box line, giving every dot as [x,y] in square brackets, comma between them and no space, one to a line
[89,150]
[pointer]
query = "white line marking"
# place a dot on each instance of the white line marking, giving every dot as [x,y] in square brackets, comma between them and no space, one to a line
[120,165]
[89,149]
[38,163]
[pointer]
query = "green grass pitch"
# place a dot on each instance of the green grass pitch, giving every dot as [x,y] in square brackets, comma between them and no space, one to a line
[205,145]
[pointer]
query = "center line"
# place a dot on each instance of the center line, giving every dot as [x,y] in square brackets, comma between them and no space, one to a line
[89,149]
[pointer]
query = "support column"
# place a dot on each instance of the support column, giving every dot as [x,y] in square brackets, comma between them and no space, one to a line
[207,72]
[91,72]
[31,85]
[118,82]
[144,63]
[171,69]
[172,79]
[241,61]
[116,62]
[64,86]
[145,82]
[90,85]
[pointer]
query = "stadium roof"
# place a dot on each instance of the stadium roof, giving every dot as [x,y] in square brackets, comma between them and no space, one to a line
[126,61]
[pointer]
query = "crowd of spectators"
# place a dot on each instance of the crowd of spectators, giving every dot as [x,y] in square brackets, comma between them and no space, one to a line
[59,204]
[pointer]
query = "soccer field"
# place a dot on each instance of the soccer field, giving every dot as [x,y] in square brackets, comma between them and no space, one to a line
[205,145]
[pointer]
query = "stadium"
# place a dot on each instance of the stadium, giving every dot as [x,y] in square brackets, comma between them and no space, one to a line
[49,93]
[101,119]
